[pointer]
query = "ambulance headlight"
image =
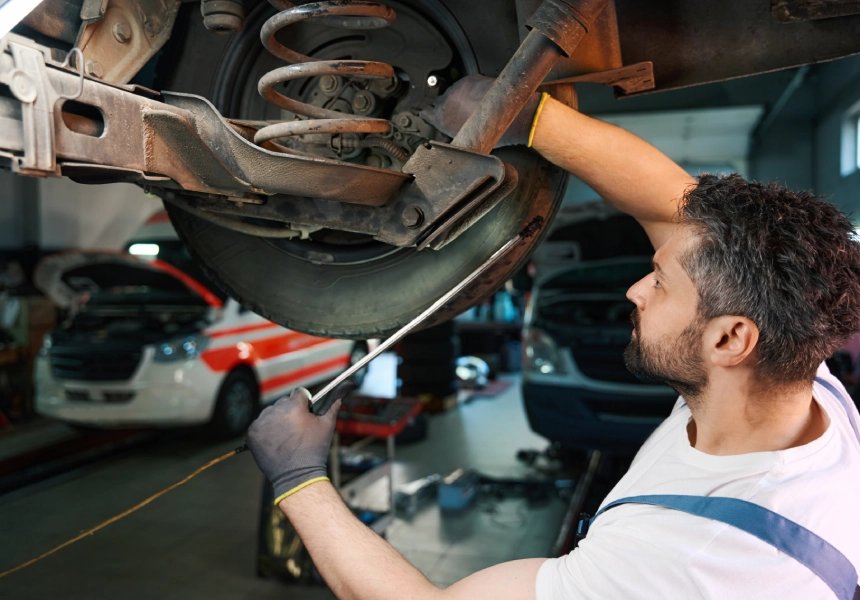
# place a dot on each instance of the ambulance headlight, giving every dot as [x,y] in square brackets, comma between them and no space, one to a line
[184,348]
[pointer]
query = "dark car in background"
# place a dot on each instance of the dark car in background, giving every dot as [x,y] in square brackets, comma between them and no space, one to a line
[576,389]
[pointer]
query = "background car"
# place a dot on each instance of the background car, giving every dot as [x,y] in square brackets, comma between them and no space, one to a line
[146,343]
[576,389]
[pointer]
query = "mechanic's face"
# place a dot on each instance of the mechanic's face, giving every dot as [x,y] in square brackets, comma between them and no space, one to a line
[667,337]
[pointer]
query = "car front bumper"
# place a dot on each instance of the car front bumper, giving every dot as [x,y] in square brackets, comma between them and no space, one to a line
[158,394]
[583,418]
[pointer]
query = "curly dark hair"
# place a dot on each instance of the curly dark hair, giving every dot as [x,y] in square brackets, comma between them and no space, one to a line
[788,261]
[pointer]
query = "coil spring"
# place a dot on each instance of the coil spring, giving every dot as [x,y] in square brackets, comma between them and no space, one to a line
[347,14]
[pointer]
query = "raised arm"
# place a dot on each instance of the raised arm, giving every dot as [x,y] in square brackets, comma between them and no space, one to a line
[623,169]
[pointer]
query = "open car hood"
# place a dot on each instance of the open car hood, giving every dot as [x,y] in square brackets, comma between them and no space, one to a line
[69,278]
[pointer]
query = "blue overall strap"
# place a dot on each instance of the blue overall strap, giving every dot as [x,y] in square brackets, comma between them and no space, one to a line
[848,406]
[787,536]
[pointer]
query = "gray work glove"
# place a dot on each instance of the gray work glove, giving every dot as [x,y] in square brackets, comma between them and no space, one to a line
[456,105]
[290,444]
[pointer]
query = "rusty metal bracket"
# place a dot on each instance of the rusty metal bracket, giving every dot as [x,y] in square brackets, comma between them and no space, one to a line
[180,142]
[630,79]
[451,190]
[118,37]
[184,138]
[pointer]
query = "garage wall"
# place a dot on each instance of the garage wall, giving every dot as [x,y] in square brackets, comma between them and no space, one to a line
[835,135]
[91,216]
[805,146]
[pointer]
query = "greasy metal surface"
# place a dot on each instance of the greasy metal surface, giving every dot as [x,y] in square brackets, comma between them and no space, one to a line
[58,19]
[275,172]
[447,180]
[147,25]
[700,41]
[787,11]
[450,228]
[223,16]
[630,79]
[514,86]
[445,177]
[344,14]
[566,22]
[184,139]
[598,51]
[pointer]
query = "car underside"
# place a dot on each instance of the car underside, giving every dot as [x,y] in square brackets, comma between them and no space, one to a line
[288,142]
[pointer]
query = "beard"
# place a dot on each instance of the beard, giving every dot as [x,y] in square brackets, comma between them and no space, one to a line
[677,364]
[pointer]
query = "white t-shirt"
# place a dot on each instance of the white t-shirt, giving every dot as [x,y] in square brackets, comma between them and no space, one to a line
[635,551]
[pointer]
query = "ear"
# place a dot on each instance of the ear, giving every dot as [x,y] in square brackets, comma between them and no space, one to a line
[729,340]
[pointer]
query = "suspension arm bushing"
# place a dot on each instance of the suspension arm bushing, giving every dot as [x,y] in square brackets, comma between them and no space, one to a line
[566,22]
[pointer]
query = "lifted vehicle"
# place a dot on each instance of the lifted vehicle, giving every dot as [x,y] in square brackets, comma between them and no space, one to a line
[292,154]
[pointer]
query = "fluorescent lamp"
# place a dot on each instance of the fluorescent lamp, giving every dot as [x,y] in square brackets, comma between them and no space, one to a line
[144,249]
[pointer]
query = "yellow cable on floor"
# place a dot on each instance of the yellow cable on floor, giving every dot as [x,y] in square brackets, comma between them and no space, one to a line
[116,518]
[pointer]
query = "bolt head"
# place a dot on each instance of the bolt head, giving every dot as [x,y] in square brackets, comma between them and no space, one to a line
[121,31]
[328,83]
[404,121]
[432,81]
[360,102]
[412,216]
[94,68]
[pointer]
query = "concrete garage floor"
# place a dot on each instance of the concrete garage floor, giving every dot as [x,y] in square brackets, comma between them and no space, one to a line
[200,540]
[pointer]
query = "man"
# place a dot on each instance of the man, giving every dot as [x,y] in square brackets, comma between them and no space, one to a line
[753,287]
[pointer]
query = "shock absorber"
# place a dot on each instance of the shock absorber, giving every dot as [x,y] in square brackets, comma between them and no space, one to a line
[348,14]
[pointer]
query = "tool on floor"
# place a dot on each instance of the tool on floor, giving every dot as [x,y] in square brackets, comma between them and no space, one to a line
[320,403]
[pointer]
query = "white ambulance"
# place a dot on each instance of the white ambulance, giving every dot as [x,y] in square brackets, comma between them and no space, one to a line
[148,342]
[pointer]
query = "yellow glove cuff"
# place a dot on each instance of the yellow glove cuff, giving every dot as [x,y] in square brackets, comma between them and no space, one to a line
[299,488]
[543,99]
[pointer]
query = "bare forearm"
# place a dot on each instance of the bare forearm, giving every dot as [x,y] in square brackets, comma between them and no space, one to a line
[623,169]
[356,563]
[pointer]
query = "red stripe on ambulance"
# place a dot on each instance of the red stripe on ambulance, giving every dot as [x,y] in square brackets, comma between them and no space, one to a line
[338,362]
[223,359]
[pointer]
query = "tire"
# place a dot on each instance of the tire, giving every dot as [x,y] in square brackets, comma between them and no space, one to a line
[355,298]
[237,404]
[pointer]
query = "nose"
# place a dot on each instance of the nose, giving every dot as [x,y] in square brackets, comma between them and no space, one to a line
[636,293]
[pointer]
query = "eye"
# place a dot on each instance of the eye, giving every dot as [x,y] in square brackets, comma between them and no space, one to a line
[657,283]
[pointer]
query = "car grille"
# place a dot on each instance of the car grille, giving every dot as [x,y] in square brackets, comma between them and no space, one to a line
[81,364]
[78,395]
[602,363]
